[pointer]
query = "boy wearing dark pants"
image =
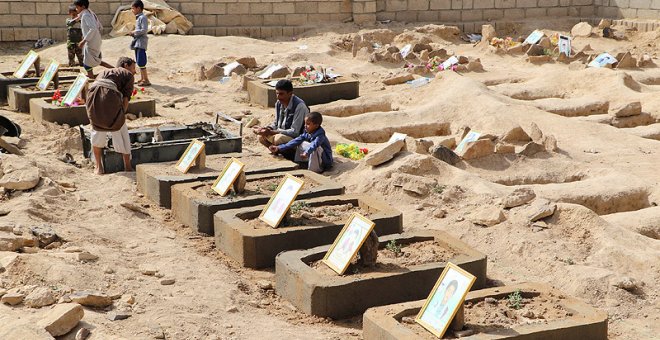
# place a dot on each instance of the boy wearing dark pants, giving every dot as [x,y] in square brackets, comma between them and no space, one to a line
[140,39]
[311,146]
[73,37]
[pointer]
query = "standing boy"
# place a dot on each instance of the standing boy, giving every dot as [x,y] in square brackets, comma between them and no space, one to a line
[140,39]
[91,42]
[107,102]
[73,37]
[311,146]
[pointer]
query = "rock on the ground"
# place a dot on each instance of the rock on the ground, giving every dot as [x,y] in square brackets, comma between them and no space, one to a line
[550,143]
[167,282]
[10,242]
[627,283]
[420,146]
[530,149]
[582,29]
[516,134]
[540,59]
[248,62]
[488,216]
[18,173]
[478,149]
[626,109]
[540,208]
[604,23]
[535,133]
[45,234]
[12,299]
[518,197]
[419,185]
[487,34]
[384,153]
[62,318]
[501,148]
[86,256]
[91,299]
[445,154]
[116,316]
[399,79]
[626,60]
[40,297]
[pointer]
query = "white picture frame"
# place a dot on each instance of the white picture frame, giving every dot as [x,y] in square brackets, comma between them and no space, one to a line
[48,75]
[190,155]
[75,89]
[445,299]
[29,59]
[348,243]
[281,200]
[228,176]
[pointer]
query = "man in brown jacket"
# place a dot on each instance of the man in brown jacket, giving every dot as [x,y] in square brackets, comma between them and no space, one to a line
[107,101]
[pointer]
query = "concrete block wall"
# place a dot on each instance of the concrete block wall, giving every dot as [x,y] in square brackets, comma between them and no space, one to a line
[629,9]
[25,20]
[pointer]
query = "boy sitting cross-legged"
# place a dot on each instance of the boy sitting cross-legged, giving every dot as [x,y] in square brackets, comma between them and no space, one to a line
[312,145]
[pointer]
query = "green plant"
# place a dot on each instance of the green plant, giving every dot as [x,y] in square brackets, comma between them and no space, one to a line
[438,189]
[393,247]
[298,206]
[515,300]
[271,187]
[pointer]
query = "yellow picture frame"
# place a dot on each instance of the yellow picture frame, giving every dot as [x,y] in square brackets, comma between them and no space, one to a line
[345,258]
[275,201]
[75,89]
[47,76]
[29,59]
[451,272]
[190,155]
[233,175]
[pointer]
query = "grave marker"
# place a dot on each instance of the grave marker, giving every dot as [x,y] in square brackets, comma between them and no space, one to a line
[565,45]
[29,59]
[348,243]
[75,89]
[533,38]
[602,60]
[472,136]
[48,75]
[281,200]
[227,177]
[445,299]
[194,152]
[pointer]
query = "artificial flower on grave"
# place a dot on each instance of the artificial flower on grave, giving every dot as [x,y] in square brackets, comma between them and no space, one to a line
[57,95]
[351,151]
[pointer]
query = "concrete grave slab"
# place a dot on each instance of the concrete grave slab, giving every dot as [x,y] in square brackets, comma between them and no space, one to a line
[584,322]
[334,296]
[155,180]
[7,79]
[20,95]
[193,207]
[41,109]
[257,247]
[176,139]
[261,93]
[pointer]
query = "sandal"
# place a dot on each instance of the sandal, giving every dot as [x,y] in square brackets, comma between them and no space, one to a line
[143,83]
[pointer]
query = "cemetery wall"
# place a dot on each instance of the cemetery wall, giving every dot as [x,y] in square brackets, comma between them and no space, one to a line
[23,20]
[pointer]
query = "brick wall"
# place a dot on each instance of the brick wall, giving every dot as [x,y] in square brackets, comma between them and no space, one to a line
[22,20]
[639,9]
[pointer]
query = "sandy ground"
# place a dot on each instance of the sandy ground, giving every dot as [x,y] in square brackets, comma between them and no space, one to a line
[587,249]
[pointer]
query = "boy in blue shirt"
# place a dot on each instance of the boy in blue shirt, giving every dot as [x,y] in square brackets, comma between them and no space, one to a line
[311,146]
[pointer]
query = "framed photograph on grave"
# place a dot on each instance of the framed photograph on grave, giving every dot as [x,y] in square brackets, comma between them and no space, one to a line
[445,299]
[227,177]
[348,243]
[565,45]
[533,38]
[48,75]
[281,200]
[75,89]
[29,59]
[194,149]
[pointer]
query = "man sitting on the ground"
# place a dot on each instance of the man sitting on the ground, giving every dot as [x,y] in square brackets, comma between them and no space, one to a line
[290,114]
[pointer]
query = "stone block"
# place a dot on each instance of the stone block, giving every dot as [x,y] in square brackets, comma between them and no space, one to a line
[283,8]
[10,20]
[48,8]
[261,8]
[505,3]
[204,20]
[407,16]
[307,7]
[557,12]
[296,20]
[329,7]
[329,295]
[22,7]
[41,109]
[428,16]
[639,4]
[238,8]
[514,13]
[396,5]
[493,14]
[526,3]
[214,8]
[34,20]
[472,15]
[62,318]
[194,208]
[252,20]
[7,34]
[548,3]
[535,12]
[584,322]
[418,5]
[483,4]
[274,19]
[450,16]
[228,20]
[648,14]
[439,4]
[188,8]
